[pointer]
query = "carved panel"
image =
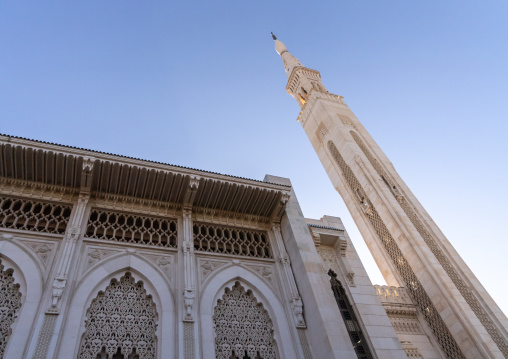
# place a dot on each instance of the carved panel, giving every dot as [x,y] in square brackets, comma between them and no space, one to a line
[163,262]
[95,255]
[120,322]
[264,271]
[10,302]
[43,249]
[242,327]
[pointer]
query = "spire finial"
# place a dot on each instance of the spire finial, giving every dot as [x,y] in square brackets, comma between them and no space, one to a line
[273,36]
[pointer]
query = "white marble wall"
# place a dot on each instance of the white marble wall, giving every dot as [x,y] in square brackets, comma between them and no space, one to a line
[46,331]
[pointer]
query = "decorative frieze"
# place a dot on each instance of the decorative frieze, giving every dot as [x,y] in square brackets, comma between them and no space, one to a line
[35,190]
[232,219]
[119,203]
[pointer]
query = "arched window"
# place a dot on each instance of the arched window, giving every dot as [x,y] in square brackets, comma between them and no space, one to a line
[243,328]
[120,323]
[10,302]
[349,317]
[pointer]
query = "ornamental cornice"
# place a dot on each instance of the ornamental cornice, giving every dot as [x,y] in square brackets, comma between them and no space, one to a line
[14,141]
[235,219]
[137,205]
[28,189]
[123,179]
[314,98]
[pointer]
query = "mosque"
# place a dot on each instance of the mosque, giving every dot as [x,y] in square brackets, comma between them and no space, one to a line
[107,256]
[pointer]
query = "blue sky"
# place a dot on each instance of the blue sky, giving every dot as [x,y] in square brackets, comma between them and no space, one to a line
[199,84]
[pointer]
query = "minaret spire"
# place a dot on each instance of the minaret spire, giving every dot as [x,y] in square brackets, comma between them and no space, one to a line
[302,81]
[408,246]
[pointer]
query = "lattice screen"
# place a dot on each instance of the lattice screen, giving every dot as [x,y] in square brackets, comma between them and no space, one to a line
[32,215]
[433,246]
[120,323]
[243,328]
[10,302]
[132,228]
[413,285]
[243,242]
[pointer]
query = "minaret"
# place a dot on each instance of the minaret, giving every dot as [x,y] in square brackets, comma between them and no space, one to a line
[409,248]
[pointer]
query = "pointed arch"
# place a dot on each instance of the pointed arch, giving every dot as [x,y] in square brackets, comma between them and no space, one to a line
[26,273]
[214,289]
[243,328]
[155,284]
[121,319]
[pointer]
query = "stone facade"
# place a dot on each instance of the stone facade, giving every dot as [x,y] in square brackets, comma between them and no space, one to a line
[104,256]
[407,245]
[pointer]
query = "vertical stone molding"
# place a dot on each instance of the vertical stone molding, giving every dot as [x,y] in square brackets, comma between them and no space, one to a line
[188,340]
[71,237]
[189,266]
[302,335]
[294,297]
[45,335]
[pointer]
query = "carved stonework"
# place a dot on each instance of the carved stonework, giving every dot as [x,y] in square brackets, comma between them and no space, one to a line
[263,271]
[346,121]
[297,305]
[207,267]
[95,255]
[163,262]
[10,302]
[350,276]
[411,351]
[342,247]
[321,133]
[328,255]
[42,249]
[235,331]
[121,320]
[188,301]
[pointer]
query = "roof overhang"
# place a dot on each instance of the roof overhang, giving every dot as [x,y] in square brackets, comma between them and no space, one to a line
[107,174]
